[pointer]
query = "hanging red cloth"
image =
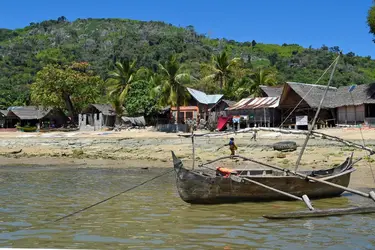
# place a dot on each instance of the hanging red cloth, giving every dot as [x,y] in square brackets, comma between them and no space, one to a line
[222,121]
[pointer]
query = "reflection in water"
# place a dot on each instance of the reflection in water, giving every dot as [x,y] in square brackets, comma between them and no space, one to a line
[154,217]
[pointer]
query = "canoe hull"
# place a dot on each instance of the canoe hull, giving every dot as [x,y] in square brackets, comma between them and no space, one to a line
[197,188]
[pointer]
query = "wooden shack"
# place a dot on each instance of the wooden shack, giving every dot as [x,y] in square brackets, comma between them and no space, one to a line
[45,117]
[299,103]
[96,117]
[258,111]
[355,104]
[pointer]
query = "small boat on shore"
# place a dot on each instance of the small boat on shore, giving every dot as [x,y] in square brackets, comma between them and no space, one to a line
[208,186]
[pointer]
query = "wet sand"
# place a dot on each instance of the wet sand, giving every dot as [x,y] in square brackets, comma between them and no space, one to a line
[145,148]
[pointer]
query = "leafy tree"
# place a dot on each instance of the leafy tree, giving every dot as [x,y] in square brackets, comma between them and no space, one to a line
[102,42]
[121,79]
[62,19]
[222,66]
[258,78]
[172,90]
[273,58]
[253,43]
[54,56]
[70,87]
[371,19]
[140,100]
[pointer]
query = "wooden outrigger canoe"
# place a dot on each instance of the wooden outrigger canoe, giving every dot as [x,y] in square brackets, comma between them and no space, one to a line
[218,186]
[206,187]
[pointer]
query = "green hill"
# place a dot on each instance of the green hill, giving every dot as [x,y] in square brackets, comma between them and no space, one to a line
[101,42]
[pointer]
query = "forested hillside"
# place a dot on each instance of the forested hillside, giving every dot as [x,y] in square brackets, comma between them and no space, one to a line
[102,42]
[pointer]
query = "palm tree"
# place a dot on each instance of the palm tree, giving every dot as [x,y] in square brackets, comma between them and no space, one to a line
[172,90]
[121,79]
[221,67]
[259,77]
[119,109]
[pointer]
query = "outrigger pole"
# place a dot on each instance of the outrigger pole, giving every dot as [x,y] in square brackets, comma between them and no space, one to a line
[289,131]
[370,195]
[316,115]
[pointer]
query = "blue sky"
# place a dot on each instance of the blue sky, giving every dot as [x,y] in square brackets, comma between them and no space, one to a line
[305,22]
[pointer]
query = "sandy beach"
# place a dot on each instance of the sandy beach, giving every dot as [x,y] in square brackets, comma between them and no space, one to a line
[146,148]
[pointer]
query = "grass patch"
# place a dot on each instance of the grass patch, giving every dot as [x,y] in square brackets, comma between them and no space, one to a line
[77,153]
[369,159]
[281,155]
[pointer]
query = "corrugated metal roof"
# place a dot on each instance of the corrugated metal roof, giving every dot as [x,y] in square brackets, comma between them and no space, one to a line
[203,97]
[3,112]
[256,103]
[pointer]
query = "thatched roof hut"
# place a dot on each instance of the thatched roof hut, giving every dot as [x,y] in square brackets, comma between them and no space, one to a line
[271,91]
[360,94]
[105,109]
[308,95]
[33,114]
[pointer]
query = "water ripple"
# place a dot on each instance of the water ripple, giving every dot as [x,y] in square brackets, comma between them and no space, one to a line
[147,218]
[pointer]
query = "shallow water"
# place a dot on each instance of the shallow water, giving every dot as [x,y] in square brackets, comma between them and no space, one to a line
[153,216]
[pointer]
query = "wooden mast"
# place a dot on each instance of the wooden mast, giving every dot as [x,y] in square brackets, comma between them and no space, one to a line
[316,116]
[192,141]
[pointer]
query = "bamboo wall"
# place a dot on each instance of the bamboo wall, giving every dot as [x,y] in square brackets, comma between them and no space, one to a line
[351,114]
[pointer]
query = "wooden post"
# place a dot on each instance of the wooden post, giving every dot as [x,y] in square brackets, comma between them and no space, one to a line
[307,201]
[316,115]
[192,140]
[265,118]
[372,195]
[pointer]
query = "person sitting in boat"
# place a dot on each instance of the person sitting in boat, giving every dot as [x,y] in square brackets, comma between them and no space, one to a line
[232,146]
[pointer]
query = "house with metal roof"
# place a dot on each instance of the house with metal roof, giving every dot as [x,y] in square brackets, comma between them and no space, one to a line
[198,107]
[292,105]
[257,111]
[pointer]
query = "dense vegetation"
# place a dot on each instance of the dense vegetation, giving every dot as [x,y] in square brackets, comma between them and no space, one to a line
[103,42]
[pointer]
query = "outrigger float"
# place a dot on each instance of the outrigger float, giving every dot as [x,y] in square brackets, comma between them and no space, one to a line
[207,185]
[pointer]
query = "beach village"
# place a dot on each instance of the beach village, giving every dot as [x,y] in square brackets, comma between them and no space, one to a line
[45,135]
[117,131]
[290,105]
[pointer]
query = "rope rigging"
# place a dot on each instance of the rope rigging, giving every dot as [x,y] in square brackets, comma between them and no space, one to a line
[103,201]
[333,64]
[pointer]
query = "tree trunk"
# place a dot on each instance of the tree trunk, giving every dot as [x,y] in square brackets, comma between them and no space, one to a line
[118,120]
[69,106]
[221,84]
[178,111]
